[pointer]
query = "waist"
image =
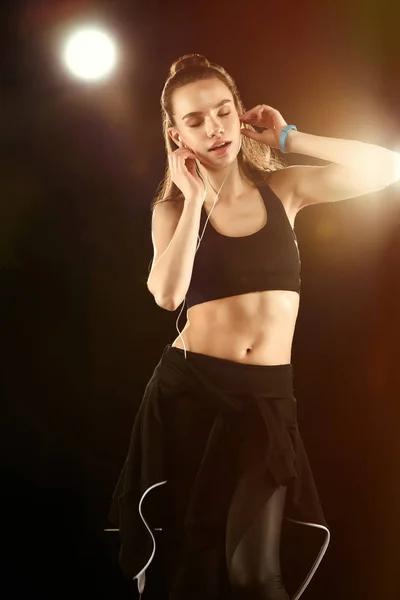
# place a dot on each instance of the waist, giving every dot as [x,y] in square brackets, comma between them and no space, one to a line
[272,381]
[254,328]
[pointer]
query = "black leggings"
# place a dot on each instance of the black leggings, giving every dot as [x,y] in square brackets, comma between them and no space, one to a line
[255,568]
[254,573]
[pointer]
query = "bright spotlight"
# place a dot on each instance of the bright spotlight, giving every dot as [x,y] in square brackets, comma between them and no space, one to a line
[90,54]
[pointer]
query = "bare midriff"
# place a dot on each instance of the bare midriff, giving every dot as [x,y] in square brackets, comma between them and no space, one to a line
[255,328]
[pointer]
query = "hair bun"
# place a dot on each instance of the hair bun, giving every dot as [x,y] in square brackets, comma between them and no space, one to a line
[188,61]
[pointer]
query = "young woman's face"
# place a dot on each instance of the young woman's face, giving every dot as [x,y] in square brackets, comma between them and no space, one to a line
[215,120]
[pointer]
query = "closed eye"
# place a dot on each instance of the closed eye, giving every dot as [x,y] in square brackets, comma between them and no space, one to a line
[220,115]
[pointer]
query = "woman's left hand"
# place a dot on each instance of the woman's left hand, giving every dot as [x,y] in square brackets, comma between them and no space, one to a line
[264,116]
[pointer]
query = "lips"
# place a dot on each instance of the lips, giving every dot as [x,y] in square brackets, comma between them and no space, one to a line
[219,145]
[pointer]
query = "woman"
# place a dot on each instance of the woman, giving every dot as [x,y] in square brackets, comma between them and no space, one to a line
[216,459]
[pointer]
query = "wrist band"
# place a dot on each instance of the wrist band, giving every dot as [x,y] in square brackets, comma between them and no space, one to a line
[283,136]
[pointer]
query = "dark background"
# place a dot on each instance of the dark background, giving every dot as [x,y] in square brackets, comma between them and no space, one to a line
[80,333]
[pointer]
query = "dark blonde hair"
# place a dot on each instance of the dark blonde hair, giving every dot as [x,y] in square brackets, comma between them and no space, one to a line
[256,161]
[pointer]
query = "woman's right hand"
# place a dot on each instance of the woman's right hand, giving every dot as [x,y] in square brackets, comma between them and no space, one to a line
[184,175]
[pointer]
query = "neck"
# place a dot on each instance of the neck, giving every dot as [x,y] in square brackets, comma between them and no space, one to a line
[235,184]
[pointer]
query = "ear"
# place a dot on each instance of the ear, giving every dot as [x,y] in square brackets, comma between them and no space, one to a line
[174,135]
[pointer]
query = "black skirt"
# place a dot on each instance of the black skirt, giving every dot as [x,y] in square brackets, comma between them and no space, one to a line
[205,427]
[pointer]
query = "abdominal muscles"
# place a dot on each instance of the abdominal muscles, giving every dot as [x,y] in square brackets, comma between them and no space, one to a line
[254,328]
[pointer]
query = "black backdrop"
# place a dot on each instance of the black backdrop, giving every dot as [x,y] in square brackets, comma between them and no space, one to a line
[81,334]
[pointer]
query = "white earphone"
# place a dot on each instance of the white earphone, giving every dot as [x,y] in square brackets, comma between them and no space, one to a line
[199,238]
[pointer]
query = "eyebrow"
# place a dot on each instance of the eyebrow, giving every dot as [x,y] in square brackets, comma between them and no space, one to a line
[198,113]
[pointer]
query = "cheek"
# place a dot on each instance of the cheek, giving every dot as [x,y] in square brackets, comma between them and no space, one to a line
[193,136]
[235,125]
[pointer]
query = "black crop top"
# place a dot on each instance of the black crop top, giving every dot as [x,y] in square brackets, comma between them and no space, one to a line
[266,260]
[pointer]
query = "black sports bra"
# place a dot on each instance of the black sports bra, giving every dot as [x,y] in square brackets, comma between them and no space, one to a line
[266,260]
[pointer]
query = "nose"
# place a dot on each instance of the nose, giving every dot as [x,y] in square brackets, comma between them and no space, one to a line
[215,128]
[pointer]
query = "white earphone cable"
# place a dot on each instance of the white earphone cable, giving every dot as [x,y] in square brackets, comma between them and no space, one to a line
[200,238]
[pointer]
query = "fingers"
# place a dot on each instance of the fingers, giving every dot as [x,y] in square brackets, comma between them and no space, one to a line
[253,113]
[178,158]
[254,135]
[256,113]
[182,158]
[182,152]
